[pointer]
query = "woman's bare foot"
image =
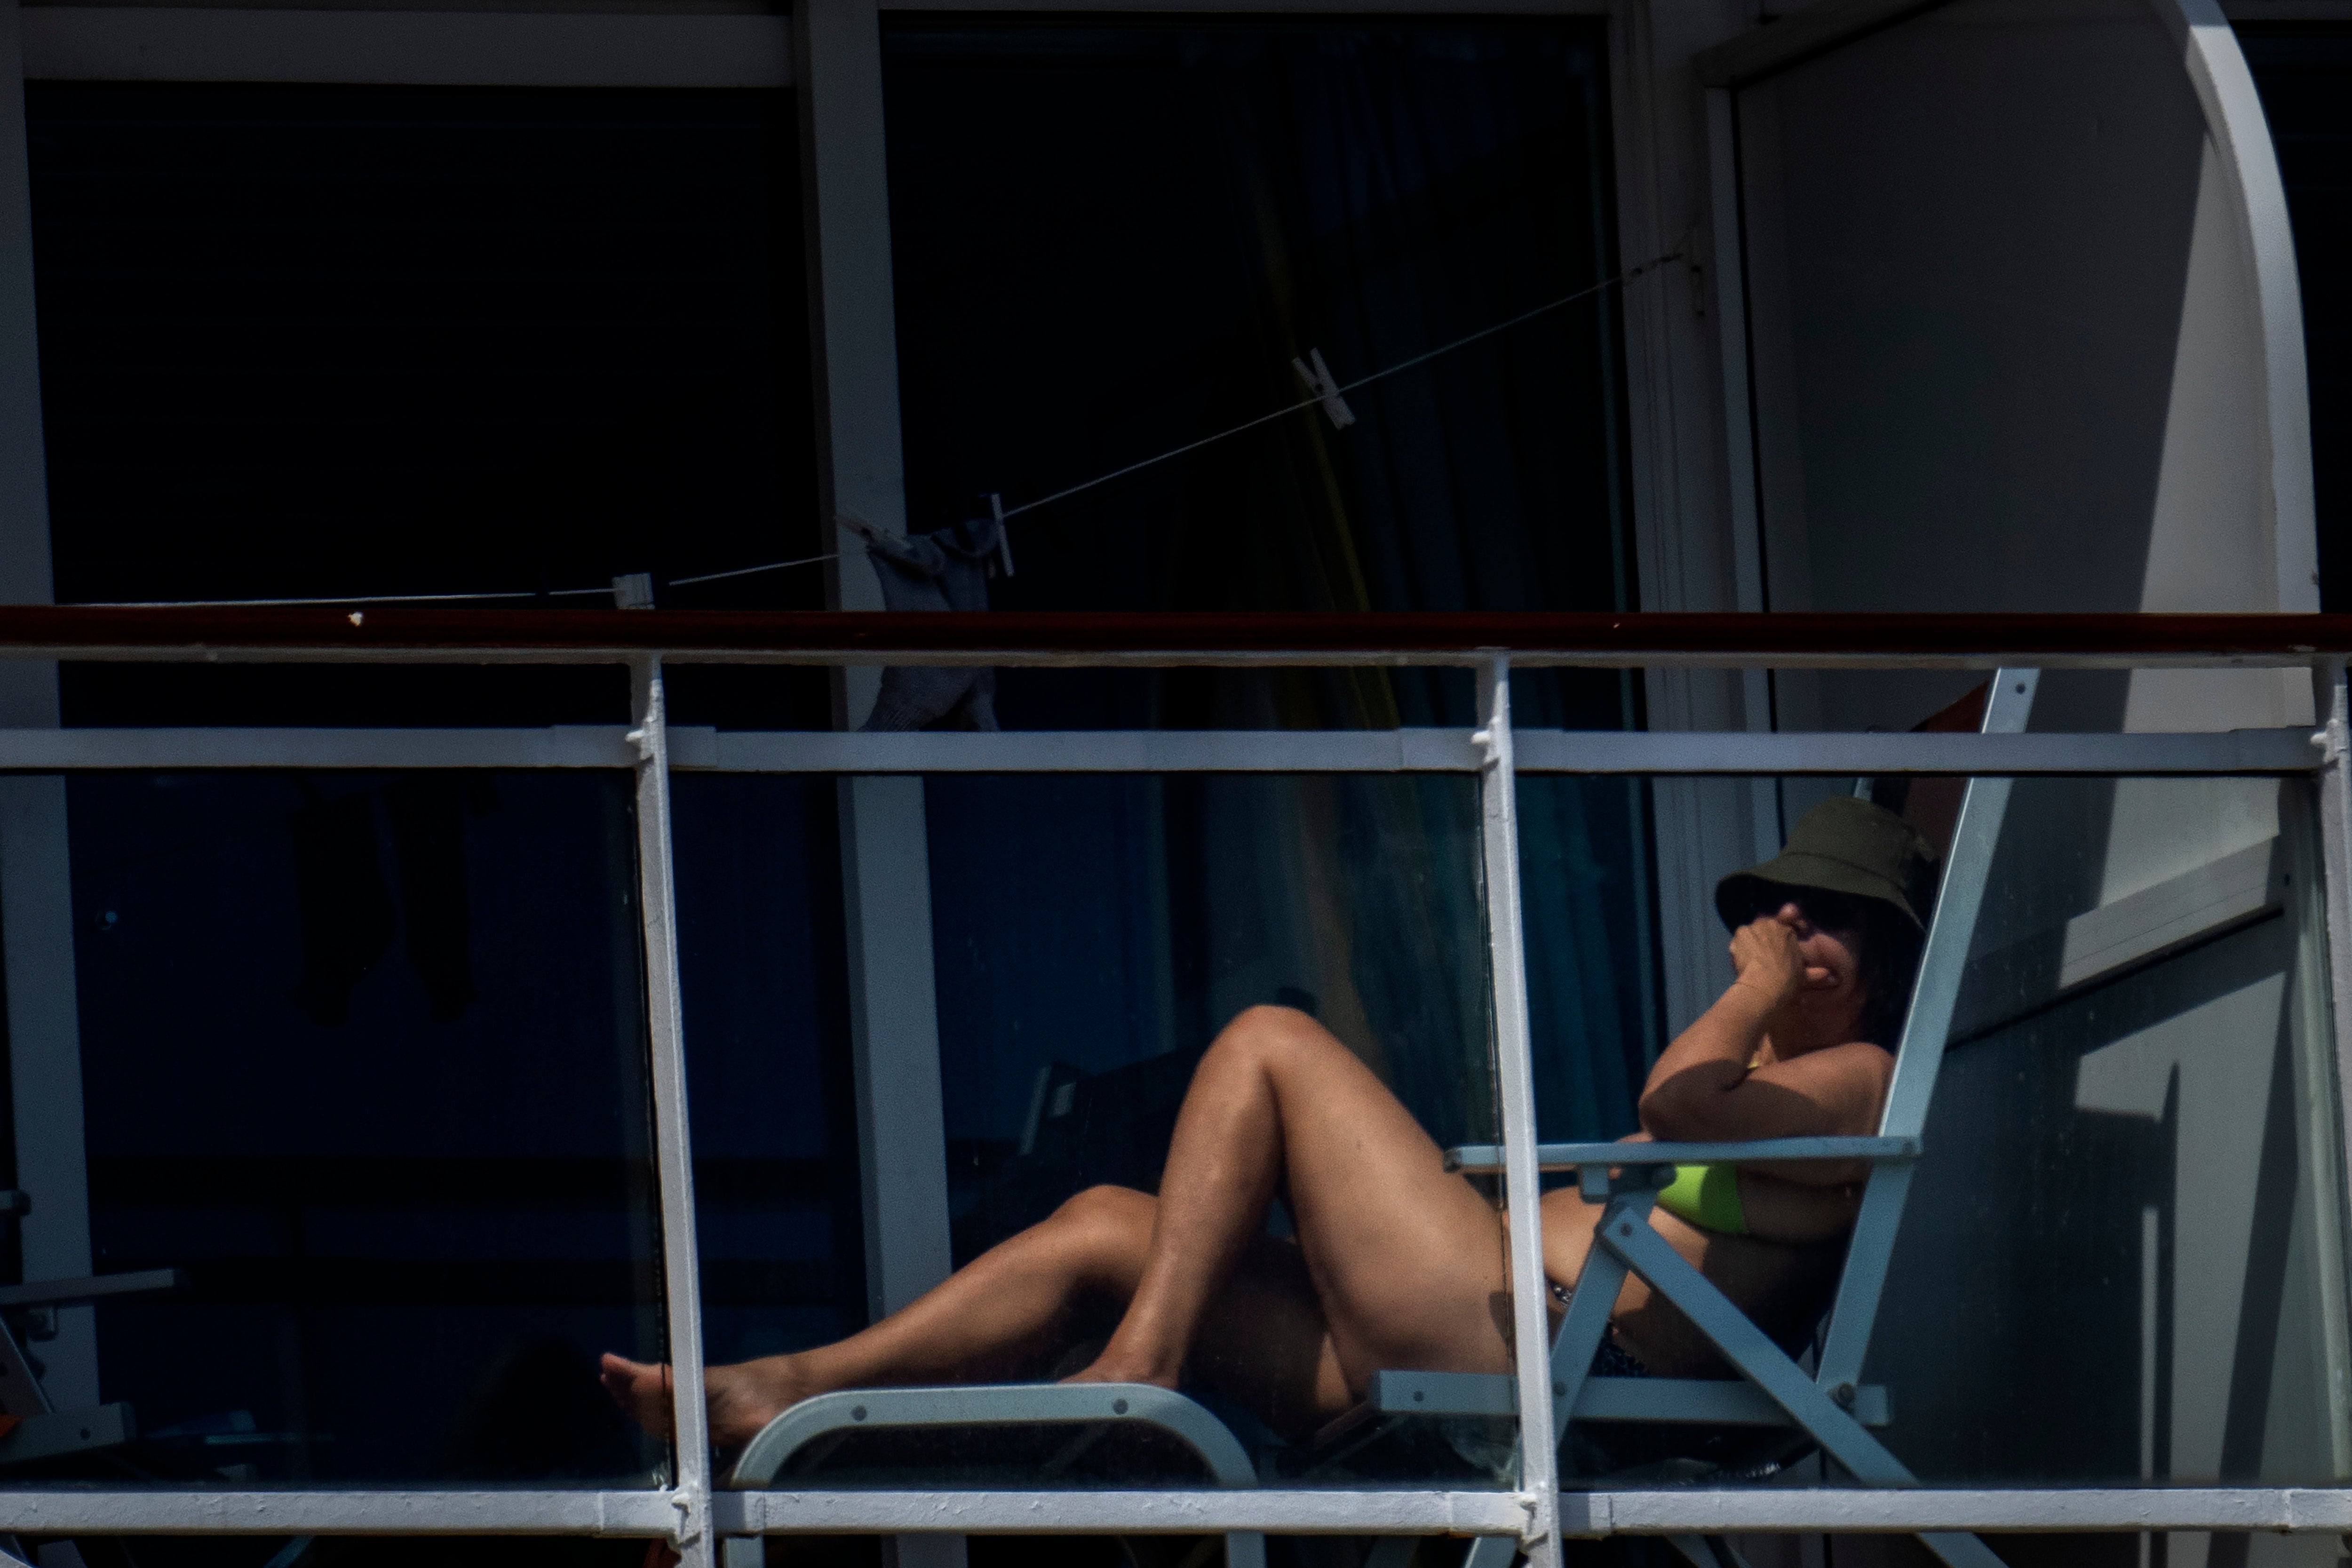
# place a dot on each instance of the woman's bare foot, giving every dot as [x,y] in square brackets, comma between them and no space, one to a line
[744,1397]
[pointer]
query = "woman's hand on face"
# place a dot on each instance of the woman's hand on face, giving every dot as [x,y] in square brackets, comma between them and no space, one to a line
[1765,954]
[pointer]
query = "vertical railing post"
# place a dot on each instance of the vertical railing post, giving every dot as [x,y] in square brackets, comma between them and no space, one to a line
[1514,1076]
[2333,739]
[673,1153]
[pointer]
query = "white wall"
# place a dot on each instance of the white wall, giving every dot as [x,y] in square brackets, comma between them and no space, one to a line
[2009,350]
[2015,308]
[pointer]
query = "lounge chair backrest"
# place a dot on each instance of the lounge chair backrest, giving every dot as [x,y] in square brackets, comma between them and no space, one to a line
[1920,1053]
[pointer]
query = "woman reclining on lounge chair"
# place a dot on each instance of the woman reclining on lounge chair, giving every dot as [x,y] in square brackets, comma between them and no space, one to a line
[1396,1263]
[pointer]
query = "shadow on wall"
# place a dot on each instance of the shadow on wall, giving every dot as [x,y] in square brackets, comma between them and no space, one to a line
[2120,1263]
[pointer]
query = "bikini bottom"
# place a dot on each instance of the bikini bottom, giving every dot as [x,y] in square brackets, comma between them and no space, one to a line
[1479,1443]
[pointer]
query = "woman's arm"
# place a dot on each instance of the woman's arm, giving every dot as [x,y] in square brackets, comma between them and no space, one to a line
[1704,1090]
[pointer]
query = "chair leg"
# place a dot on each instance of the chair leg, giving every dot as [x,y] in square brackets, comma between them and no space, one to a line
[1589,1305]
[1960,1550]
[1765,1364]
[1743,1344]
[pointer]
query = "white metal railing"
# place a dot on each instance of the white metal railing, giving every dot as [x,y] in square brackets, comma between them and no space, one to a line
[690,1514]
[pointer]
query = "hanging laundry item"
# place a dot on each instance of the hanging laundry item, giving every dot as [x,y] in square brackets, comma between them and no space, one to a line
[429,812]
[944,569]
[345,910]
[345,903]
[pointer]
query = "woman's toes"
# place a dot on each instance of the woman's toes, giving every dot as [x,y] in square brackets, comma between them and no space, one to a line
[640,1389]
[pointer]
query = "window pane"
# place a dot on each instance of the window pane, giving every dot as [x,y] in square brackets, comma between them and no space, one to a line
[407,340]
[1246,192]
[363,1055]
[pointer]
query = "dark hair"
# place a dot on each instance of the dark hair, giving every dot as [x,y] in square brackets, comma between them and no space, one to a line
[1886,949]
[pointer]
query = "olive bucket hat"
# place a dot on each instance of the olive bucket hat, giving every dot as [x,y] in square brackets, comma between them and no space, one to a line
[1842,846]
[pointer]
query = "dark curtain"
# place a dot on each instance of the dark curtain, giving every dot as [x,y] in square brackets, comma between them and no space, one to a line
[1113,238]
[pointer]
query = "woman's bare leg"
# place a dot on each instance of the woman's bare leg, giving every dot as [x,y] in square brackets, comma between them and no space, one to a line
[1405,1261]
[1398,1262]
[993,1318]
[1009,1313]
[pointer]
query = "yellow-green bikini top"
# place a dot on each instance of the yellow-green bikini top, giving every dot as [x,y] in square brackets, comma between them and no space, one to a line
[1708,1195]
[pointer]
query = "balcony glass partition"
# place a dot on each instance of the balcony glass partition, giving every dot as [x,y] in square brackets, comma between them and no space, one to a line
[1078,989]
[2121,1261]
[1102,945]
[760,955]
[2089,1233]
[2135,1177]
[364,1060]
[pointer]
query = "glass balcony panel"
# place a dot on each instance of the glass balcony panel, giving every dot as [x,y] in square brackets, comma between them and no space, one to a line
[1106,950]
[363,1057]
[2142,1086]
[760,955]
[2121,1260]
[1594,985]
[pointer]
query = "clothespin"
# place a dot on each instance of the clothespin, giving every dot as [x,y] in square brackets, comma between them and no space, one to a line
[1320,383]
[1004,540]
[633,591]
[858,526]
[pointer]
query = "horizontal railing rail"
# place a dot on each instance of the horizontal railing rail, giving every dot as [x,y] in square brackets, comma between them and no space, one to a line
[309,634]
[1541,752]
[1388,1512]
[1485,1159]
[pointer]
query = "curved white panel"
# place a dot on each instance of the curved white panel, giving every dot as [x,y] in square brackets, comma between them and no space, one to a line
[2248,166]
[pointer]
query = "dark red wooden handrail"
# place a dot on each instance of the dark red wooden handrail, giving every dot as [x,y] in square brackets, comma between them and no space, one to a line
[90,631]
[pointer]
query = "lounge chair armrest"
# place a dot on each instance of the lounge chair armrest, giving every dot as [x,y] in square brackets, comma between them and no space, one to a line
[57,1433]
[90,1287]
[1486,1159]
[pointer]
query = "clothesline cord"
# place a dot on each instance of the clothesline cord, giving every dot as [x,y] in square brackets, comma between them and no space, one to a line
[746,571]
[1009,513]
[1317,401]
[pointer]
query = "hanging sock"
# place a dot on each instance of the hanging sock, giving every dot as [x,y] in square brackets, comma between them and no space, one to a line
[943,570]
[343,904]
[429,812]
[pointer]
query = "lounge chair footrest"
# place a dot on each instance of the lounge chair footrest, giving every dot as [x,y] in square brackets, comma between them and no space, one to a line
[1709,1402]
[834,1416]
